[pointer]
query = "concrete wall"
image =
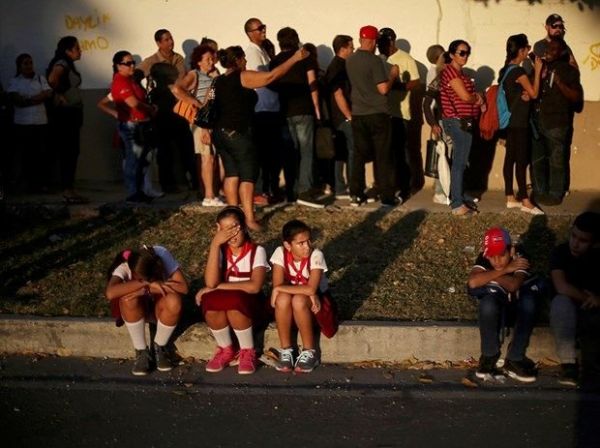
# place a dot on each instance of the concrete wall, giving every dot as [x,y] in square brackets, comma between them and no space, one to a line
[105,26]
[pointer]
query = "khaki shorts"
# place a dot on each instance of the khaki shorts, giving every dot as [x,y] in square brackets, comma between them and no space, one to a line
[199,147]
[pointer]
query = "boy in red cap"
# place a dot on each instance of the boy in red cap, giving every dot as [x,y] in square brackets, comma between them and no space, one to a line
[501,282]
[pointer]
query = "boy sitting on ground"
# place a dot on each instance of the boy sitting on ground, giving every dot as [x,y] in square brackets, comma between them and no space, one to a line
[574,269]
[501,282]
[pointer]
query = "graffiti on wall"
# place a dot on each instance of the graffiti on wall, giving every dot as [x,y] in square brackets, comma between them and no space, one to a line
[593,58]
[91,25]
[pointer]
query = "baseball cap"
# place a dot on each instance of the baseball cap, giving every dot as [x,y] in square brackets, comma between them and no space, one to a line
[387,33]
[495,241]
[553,18]
[368,32]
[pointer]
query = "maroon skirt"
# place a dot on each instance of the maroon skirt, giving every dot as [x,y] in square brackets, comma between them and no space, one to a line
[327,317]
[253,306]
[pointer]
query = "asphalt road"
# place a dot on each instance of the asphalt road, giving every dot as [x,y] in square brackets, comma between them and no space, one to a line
[70,402]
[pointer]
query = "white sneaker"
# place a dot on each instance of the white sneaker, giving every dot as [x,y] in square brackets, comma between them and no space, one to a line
[441,198]
[212,202]
[513,204]
[532,211]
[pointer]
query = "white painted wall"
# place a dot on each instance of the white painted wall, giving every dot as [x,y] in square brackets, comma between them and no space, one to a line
[105,26]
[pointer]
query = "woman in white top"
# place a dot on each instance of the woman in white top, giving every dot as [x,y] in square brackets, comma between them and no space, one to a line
[28,92]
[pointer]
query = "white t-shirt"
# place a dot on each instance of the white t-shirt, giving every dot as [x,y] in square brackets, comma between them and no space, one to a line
[260,261]
[171,265]
[258,59]
[317,261]
[28,87]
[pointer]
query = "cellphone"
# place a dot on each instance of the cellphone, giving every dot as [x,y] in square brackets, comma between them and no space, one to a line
[532,56]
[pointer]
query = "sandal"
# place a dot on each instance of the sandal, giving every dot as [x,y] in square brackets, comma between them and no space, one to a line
[463,210]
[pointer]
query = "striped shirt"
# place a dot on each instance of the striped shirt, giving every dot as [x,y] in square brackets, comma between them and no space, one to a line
[452,105]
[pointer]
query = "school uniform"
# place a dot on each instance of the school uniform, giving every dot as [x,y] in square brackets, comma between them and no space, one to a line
[237,269]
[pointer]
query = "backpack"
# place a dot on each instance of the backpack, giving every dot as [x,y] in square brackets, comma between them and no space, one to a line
[497,114]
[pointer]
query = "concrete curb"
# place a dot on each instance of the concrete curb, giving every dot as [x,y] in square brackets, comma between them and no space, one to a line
[354,342]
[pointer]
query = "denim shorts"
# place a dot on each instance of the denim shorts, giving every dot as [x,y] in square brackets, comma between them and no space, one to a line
[238,153]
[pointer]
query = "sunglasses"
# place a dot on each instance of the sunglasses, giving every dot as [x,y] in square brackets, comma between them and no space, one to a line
[128,63]
[463,53]
[557,26]
[261,28]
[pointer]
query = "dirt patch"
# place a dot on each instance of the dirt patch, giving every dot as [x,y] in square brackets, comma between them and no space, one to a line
[383,265]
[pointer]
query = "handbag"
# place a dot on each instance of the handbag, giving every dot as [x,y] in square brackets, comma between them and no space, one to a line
[431,159]
[325,142]
[186,110]
[327,317]
[205,118]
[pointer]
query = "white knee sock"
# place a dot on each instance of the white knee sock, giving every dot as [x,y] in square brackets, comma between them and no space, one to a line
[163,333]
[245,338]
[137,333]
[222,336]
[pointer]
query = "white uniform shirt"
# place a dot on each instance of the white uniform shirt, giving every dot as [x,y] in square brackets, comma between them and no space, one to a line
[171,265]
[317,261]
[243,265]
[27,87]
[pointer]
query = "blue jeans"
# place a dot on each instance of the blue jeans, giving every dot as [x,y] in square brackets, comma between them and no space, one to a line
[491,307]
[461,141]
[340,186]
[133,168]
[549,161]
[302,131]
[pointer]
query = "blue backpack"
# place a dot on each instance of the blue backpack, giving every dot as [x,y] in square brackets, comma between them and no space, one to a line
[501,104]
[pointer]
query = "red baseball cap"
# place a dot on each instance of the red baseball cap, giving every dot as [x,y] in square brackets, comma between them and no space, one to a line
[369,32]
[495,242]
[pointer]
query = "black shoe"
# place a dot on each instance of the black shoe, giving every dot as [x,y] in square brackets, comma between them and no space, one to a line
[143,363]
[372,194]
[520,371]
[308,199]
[357,201]
[139,198]
[163,358]
[393,202]
[487,369]
[569,375]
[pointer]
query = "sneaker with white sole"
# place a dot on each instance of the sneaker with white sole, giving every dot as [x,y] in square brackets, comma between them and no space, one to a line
[487,370]
[520,371]
[247,361]
[221,359]
[163,358]
[307,361]
[143,363]
[286,360]
[212,202]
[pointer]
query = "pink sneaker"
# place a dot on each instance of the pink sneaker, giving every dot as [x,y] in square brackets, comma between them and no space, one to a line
[223,356]
[247,361]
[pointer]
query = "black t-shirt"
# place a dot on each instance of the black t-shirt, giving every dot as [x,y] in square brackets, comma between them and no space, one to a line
[519,109]
[581,272]
[553,108]
[234,103]
[336,77]
[294,91]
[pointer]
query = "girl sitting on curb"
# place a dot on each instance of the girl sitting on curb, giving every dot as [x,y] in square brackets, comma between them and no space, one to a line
[299,288]
[234,276]
[144,285]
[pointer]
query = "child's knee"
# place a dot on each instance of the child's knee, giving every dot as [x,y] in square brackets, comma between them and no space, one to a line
[172,303]
[283,301]
[130,304]
[300,302]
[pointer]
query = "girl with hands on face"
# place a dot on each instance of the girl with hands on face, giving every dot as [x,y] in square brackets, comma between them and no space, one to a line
[232,298]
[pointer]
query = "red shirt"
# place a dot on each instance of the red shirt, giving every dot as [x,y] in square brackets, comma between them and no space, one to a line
[452,105]
[122,88]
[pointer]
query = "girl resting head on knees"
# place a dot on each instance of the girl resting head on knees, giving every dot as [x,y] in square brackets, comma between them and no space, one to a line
[144,285]
[234,277]
[299,284]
